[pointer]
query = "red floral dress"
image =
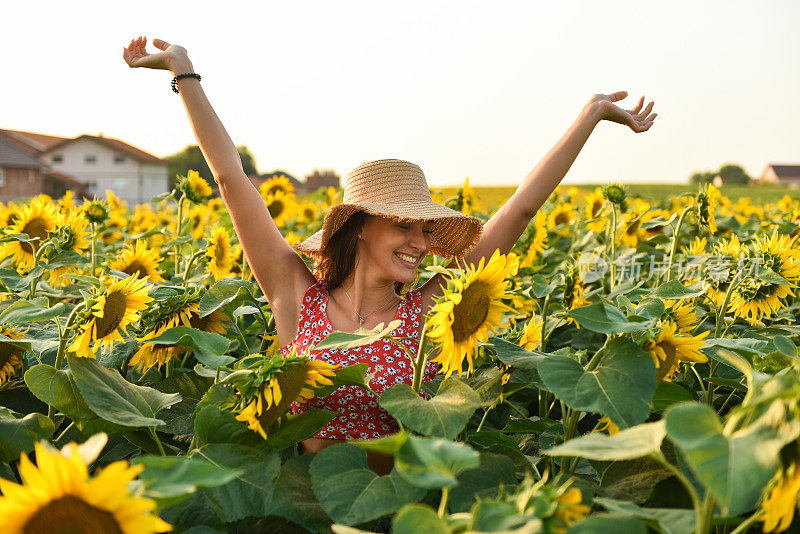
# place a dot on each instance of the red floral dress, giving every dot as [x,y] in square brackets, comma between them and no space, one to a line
[360,415]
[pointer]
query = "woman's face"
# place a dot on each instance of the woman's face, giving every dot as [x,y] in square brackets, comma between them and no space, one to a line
[394,248]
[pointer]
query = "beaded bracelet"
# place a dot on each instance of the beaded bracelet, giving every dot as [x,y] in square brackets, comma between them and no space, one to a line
[179,77]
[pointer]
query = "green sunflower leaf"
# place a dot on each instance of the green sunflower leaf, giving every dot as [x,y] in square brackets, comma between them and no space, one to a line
[628,444]
[115,399]
[415,518]
[606,319]
[176,476]
[350,492]
[444,416]
[229,293]
[209,348]
[362,336]
[23,311]
[515,356]
[726,464]
[434,463]
[609,389]
[674,290]
[19,433]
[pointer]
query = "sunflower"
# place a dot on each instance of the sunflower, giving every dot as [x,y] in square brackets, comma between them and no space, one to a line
[681,313]
[278,384]
[779,506]
[36,220]
[720,268]
[115,308]
[10,355]
[629,235]
[560,219]
[138,260]
[594,208]
[470,307]
[616,194]
[116,203]
[753,297]
[218,252]
[706,206]
[71,235]
[532,335]
[276,184]
[538,242]
[570,509]
[653,229]
[213,322]
[150,354]
[195,188]
[280,207]
[96,211]
[66,204]
[307,213]
[605,423]
[669,349]
[58,496]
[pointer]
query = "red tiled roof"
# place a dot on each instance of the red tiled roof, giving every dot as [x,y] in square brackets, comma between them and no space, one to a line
[115,144]
[38,141]
[65,178]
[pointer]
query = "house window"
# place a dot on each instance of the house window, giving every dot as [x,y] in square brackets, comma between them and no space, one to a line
[90,159]
[2,177]
[91,185]
[119,159]
[58,158]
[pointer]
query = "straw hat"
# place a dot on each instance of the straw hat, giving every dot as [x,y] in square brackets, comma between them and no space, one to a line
[397,189]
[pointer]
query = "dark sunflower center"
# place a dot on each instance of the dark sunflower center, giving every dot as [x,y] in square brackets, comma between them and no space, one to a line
[275,208]
[200,323]
[633,227]
[9,354]
[596,205]
[276,188]
[562,218]
[34,228]
[668,366]
[113,312]
[291,381]
[470,314]
[135,267]
[71,515]
[219,253]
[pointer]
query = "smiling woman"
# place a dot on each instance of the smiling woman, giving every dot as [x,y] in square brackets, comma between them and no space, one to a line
[369,247]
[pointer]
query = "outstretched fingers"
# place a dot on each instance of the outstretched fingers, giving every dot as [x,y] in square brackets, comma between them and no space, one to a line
[619,95]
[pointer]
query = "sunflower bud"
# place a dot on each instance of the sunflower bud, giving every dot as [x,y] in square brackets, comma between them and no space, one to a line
[616,194]
[96,211]
[193,187]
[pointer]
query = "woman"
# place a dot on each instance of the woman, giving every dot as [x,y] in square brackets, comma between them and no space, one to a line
[371,245]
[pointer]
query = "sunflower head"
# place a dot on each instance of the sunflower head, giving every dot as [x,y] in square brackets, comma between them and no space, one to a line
[219,253]
[96,211]
[71,234]
[706,205]
[465,200]
[470,307]
[280,206]
[669,349]
[273,384]
[37,220]
[616,194]
[193,187]
[109,313]
[277,184]
[10,355]
[137,259]
[57,495]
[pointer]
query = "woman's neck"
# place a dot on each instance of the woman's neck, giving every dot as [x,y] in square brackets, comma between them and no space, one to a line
[369,299]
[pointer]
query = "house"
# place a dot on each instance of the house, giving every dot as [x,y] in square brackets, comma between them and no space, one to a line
[96,163]
[780,174]
[22,174]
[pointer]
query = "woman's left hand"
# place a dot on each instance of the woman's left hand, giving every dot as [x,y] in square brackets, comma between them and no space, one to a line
[637,119]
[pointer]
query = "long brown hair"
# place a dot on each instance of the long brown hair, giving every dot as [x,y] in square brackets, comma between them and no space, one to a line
[338,256]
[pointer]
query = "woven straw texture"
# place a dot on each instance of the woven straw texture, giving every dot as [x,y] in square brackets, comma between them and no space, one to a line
[397,189]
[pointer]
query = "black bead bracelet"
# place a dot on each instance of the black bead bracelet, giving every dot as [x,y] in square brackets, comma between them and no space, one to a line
[179,77]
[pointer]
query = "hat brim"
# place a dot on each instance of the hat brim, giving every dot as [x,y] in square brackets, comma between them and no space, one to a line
[453,232]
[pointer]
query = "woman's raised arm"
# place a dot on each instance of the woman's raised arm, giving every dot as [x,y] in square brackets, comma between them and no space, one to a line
[505,227]
[279,270]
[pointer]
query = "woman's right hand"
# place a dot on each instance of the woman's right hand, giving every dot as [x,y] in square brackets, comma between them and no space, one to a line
[173,58]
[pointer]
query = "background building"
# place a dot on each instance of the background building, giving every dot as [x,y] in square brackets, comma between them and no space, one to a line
[87,164]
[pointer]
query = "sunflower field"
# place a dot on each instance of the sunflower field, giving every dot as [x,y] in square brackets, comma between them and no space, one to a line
[630,366]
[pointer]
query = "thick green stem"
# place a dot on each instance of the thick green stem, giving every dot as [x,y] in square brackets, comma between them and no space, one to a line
[62,346]
[675,241]
[180,228]
[613,239]
[94,249]
[723,309]
[544,396]
[443,502]
[189,265]
[483,419]
[239,334]
[36,259]
[706,517]
[745,525]
[158,441]
[683,480]
[421,360]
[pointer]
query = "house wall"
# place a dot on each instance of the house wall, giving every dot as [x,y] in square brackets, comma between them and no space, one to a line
[129,179]
[19,183]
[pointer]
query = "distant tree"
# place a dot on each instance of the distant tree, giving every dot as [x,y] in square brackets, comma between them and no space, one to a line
[702,177]
[191,158]
[729,173]
[733,174]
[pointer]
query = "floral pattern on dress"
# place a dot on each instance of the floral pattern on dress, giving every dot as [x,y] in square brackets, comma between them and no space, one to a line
[360,416]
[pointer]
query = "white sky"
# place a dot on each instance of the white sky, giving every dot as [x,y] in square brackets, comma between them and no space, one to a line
[462,88]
